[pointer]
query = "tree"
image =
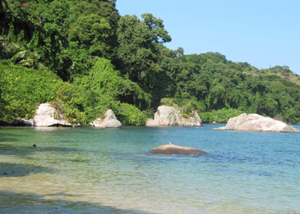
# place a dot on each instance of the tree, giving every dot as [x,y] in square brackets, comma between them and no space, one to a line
[156,28]
[93,26]
[140,44]
[104,88]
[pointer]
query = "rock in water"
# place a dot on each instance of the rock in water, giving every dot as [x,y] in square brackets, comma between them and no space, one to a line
[47,116]
[258,123]
[109,121]
[172,116]
[170,149]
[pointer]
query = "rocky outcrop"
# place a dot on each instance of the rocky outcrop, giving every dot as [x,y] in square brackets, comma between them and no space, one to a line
[20,122]
[109,121]
[258,123]
[172,116]
[170,149]
[47,116]
[26,122]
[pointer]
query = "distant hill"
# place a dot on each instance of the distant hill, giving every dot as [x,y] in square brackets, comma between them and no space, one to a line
[282,71]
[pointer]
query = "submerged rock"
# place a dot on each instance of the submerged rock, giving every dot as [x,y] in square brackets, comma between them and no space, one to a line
[172,116]
[109,121]
[47,116]
[170,149]
[258,123]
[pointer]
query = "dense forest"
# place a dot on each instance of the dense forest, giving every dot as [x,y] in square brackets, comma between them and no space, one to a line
[83,57]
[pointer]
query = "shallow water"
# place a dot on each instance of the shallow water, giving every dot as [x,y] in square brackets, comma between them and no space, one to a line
[87,170]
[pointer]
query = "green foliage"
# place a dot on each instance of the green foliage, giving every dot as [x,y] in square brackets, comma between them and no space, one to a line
[217,84]
[68,102]
[140,43]
[55,47]
[99,89]
[189,108]
[103,88]
[130,115]
[220,116]
[149,113]
[282,69]
[46,28]
[69,113]
[168,102]
[23,89]
[93,26]
[207,117]
[156,28]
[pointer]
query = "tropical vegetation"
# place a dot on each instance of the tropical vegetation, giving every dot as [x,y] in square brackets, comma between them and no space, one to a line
[84,57]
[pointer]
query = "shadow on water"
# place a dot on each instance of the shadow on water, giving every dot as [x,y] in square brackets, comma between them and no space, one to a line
[4,137]
[223,161]
[59,149]
[18,170]
[247,172]
[12,202]
[9,149]
[235,158]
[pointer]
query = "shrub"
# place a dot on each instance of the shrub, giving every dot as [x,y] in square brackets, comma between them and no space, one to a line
[130,115]
[22,89]
[207,117]
[168,102]
[189,108]
[220,116]
[101,89]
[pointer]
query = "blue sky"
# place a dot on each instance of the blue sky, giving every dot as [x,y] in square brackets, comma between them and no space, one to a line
[263,33]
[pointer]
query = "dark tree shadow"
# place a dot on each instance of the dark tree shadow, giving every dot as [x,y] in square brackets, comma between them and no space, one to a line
[9,149]
[18,170]
[58,149]
[12,202]
[9,137]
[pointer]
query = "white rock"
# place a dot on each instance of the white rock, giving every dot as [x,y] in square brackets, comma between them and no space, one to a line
[255,122]
[45,117]
[109,121]
[172,116]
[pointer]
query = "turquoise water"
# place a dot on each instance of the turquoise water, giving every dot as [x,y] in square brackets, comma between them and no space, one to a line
[87,170]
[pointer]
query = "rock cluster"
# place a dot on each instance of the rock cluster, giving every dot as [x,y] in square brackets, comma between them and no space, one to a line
[109,121]
[172,116]
[47,116]
[255,122]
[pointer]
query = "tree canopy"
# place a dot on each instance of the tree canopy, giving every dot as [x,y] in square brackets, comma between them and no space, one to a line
[84,57]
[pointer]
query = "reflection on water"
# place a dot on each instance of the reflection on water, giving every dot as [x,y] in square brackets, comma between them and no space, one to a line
[48,128]
[86,170]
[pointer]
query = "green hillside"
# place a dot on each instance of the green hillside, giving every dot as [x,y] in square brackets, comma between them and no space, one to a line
[84,57]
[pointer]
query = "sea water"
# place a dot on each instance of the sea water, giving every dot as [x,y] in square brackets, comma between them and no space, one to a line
[88,170]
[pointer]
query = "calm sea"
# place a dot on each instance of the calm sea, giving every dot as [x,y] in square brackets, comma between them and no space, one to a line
[87,170]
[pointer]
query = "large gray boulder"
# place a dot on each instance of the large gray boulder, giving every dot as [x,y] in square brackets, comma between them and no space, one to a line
[172,116]
[258,123]
[170,149]
[109,121]
[47,116]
